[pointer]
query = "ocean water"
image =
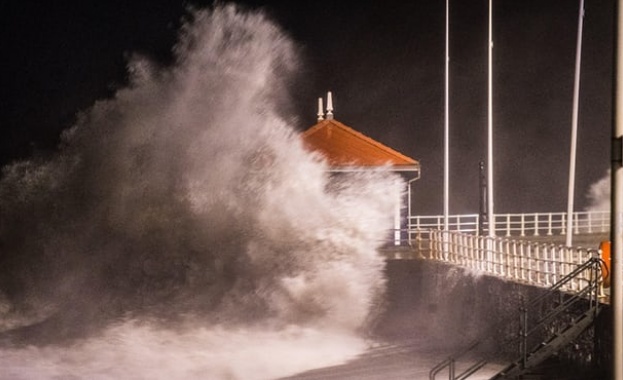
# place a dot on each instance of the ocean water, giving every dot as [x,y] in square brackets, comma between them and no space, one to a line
[181,231]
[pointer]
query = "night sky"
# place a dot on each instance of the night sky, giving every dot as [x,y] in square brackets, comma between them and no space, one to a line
[384,63]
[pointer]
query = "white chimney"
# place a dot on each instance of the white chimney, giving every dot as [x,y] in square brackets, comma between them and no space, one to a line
[329,106]
[320,110]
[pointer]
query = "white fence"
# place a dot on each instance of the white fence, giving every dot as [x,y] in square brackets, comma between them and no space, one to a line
[521,261]
[530,224]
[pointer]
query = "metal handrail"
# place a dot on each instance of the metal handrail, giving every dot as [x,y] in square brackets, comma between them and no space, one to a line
[522,261]
[449,363]
[591,290]
[519,224]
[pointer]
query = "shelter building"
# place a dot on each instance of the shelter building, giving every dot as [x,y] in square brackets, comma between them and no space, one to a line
[347,150]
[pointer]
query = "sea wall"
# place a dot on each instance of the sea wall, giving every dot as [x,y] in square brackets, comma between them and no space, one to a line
[449,307]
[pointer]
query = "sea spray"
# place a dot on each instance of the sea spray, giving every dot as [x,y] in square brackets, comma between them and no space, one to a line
[599,194]
[182,231]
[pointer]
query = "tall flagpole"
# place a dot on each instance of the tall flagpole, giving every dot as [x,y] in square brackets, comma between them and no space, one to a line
[574,128]
[446,142]
[490,214]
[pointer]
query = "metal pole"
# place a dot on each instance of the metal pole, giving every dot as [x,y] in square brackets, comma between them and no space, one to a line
[574,127]
[616,221]
[446,143]
[482,215]
[397,220]
[490,216]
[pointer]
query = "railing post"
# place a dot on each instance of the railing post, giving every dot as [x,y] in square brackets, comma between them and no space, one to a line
[536,224]
[510,261]
[517,260]
[523,227]
[556,262]
[590,222]
[445,245]
[539,264]
[546,265]
[568,260]
[488,251]
[437,246]
[455,248]
[482,257]
[475,252]
[499,258]
[532,263]
[549,224]
[451,369]
[470,251]
[504,265]
[469,247]
[465,250]
[549,265]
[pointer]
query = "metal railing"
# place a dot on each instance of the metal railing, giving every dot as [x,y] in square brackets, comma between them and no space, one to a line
[522,261]
[545,324]
[526,224]
[463,223]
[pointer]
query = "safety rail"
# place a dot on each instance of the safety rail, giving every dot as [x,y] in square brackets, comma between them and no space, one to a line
[522,261]
[462,223]
[542,330]
[519,224]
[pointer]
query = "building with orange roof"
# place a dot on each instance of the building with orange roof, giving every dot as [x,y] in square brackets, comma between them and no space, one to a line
[347,150]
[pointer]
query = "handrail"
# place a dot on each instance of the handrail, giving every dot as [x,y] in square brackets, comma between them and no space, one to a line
[472,370]
[590,291]
[449,362]
[522,261]
[519,224]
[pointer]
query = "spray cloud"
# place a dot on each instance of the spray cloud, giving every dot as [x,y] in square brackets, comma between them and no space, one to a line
[599,194]
[183,232]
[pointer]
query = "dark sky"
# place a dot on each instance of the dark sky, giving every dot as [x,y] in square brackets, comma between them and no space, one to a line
[384,63]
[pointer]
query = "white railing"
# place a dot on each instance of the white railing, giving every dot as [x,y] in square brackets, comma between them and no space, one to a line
[464,223]
[521,261]
[526,224]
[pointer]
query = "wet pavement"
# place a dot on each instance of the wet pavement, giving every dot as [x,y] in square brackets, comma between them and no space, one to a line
[390,362]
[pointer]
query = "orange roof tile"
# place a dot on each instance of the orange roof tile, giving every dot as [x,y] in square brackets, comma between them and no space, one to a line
[343,146]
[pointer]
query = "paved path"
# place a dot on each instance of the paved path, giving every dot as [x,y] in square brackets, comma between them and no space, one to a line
[390,362]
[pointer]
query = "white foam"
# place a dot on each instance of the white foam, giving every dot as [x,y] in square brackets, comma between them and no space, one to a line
[188,197]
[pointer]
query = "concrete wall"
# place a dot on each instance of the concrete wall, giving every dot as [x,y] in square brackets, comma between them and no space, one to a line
[445,308]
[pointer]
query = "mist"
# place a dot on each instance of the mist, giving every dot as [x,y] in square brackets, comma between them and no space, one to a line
[181,230]
[598,195]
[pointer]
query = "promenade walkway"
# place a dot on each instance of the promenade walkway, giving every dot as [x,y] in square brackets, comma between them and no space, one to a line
[527,248]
